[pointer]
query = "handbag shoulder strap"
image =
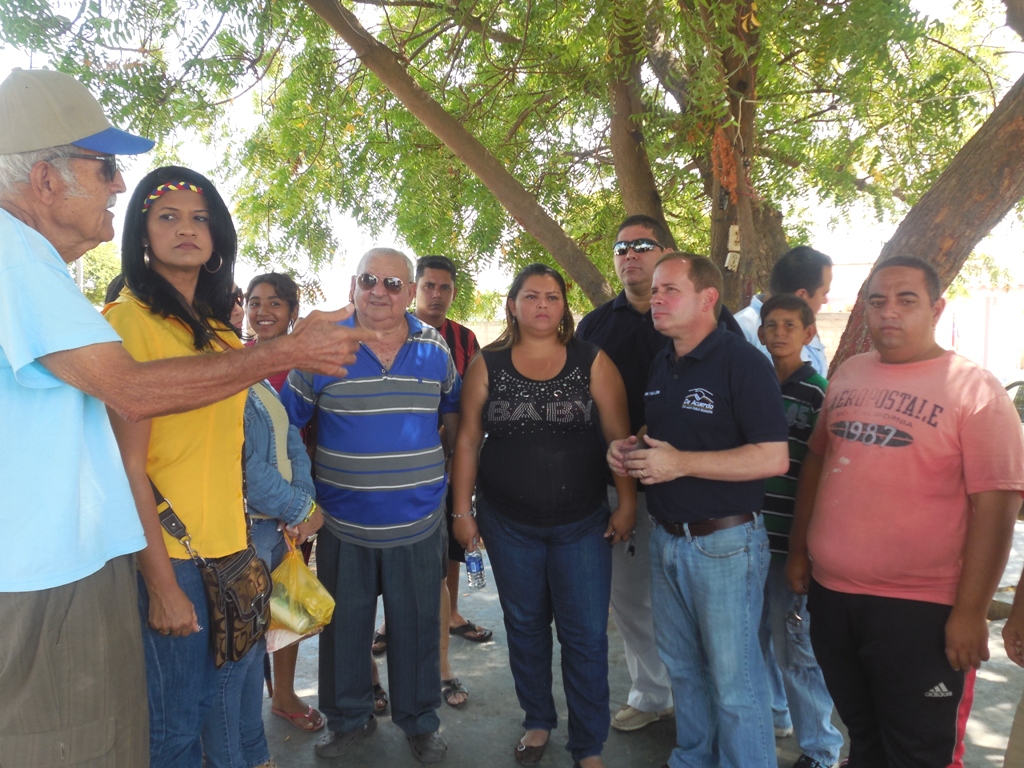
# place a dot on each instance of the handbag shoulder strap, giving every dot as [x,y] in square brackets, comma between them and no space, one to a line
[172,523]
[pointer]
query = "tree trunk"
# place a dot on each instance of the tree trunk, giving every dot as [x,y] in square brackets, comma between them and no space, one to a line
[1015,15]
[740,73]
[637,186]
[523,207]
[770,242]
[980,186]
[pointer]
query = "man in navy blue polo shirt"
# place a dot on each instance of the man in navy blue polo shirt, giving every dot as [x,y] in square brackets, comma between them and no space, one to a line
[622,328]
[715,430]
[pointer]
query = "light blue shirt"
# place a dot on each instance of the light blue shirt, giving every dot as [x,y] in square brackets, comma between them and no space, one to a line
[750,320]
[65,505]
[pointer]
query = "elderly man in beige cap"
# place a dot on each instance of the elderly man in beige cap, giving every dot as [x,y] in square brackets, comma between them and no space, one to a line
[72,683]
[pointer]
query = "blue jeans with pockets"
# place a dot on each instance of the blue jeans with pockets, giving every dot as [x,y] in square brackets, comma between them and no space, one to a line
[179,678]
[707,593]
[561,572]
[787,624]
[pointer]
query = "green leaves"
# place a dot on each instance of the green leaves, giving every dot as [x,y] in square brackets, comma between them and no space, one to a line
[855,101]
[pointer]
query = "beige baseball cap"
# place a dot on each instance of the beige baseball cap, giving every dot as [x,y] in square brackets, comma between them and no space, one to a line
[41,108]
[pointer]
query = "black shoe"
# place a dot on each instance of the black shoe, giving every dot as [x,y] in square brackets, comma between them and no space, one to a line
[333,743]
[529,755]
[428,747]
[806,761]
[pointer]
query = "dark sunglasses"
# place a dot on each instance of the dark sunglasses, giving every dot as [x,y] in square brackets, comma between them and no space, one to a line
[109,163]
[640,245]
[392,285]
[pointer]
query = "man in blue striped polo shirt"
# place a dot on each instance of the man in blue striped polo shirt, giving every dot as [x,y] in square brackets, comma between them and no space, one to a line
[381,482]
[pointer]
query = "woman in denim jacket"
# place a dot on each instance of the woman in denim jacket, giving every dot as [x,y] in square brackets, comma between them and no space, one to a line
[272,307]
[279,494]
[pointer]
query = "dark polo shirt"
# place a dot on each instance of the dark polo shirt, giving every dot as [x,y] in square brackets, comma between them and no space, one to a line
[629,339]
[721,395]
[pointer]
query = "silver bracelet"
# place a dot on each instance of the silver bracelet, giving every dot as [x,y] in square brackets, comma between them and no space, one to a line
[471,513]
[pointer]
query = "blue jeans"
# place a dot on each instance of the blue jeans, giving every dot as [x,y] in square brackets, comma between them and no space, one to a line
[787,624]
[233,734]
[179,678]
[707,593]
[563,572]
[269,541]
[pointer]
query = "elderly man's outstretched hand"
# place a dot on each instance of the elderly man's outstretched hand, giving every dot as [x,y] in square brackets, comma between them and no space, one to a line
[322,346]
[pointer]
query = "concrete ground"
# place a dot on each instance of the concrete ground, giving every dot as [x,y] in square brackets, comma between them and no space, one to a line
[484,731]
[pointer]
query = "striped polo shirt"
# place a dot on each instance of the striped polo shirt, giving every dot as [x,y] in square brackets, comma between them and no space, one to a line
[379,465]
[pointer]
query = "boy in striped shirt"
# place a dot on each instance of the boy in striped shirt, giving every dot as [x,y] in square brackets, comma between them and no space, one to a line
[787,324]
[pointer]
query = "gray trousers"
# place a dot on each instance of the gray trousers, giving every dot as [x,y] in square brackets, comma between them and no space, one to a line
[72,676]
[407,577]
[651,689]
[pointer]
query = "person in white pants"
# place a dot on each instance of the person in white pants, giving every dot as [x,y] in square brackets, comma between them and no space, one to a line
[623,329]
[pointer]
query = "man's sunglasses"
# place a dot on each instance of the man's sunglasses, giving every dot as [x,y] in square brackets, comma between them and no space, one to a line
[392,285]
[109,163]
[640,245]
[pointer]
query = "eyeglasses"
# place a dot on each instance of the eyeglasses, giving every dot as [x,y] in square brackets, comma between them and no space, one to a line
[110,168]
[392,285]
[640,245]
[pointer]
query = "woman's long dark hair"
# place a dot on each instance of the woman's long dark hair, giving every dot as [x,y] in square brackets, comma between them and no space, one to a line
[214,296]
[510,336]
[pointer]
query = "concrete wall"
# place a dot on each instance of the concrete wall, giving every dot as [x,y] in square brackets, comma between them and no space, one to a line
[987,327]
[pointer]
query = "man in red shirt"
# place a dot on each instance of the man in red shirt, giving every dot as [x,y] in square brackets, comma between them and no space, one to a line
[435,290]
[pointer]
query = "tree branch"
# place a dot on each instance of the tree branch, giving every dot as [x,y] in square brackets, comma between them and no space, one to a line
[472,23]
[523,207]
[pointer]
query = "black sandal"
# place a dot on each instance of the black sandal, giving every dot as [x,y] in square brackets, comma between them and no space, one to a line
[452,687]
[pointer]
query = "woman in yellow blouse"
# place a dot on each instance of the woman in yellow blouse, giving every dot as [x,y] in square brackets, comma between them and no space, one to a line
[178,254]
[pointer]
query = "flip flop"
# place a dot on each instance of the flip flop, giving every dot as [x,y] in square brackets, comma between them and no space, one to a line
[380,699]
[313,720]
[471,632]
[380,644]
[451,687]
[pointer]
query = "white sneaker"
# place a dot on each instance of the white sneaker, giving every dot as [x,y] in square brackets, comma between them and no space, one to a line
[632,719]
[782,733]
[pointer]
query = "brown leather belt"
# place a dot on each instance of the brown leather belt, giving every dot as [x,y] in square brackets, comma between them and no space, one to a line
[706,527]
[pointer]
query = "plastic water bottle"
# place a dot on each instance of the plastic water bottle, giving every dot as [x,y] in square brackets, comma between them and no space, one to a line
[475,576]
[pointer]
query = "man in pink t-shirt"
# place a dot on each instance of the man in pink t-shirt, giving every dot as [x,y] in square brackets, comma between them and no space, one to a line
[904,520]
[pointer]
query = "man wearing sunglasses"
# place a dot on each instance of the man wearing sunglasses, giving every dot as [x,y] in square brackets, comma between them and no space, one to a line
[623,329]
[381,483]
[71,665]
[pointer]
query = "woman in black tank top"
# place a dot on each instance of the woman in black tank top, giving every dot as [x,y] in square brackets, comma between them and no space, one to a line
[547,403]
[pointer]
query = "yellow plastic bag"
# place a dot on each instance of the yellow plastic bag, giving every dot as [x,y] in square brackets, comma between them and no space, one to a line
[300,606]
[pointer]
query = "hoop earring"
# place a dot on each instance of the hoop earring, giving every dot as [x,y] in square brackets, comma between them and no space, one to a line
[220,263]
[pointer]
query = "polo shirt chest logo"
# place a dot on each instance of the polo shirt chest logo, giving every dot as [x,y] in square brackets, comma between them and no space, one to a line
[699,399]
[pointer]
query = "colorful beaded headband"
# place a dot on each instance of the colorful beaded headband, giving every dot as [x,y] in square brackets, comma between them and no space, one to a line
[171,186]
